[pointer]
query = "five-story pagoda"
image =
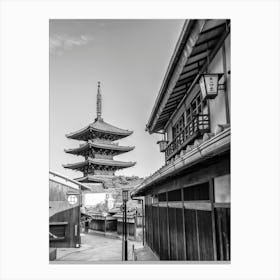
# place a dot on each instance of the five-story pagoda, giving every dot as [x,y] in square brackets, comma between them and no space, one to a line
[99,149]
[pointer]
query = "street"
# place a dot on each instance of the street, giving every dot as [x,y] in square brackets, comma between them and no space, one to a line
[96,247]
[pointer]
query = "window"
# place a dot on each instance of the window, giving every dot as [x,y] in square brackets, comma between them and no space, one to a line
[196,105]
[222,189]
[197,192]
[174,195]
[161,197]
[195,108]
[179,126]
[188,115]
[57,230]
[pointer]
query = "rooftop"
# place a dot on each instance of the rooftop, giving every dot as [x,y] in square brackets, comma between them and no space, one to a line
[100,162]
[99,126]
[61,179]
[99,145]
[208,147]
[93,178]
[198,39]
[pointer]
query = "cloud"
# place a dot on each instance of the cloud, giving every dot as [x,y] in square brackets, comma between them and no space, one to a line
[62,42]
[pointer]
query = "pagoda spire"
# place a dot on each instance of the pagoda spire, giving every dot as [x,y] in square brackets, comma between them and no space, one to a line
[98,102]
[99,148]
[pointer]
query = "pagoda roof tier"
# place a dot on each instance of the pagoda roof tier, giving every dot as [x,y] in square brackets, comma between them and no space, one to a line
[99,129]
[93,179]
[116,149]
[100,163]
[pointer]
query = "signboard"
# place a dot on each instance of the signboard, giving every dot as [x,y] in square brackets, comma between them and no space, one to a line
[72,199]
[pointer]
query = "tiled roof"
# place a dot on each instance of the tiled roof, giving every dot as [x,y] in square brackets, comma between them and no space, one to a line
[128,215]
[100,126]
[201,149]
[61,179]
[111,162]
[104,162]
[91,179]
[100,145]
[194,48]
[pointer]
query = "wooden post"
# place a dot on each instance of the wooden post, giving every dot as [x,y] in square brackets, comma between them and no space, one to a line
[211,192]
[122,232]
[135,227]
[220,236]
[105,226]
[158,227]
[125,232]
[176,234]
[133,253]
[197,234]
[79,218]
[184,230]
[168,237]
[143,222]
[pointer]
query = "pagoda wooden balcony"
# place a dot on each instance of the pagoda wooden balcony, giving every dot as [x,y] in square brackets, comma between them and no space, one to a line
[199,125]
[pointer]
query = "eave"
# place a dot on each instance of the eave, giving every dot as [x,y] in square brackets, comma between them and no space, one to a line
[100,146]
[100,163]
[79,185]
[197,153]
[197,41]
[92,179]
[101,129]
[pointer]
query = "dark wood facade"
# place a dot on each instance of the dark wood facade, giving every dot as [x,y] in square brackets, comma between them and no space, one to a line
[184,221]
[131,224]
[64,226]
[103,224]
[131,229]
[187,200]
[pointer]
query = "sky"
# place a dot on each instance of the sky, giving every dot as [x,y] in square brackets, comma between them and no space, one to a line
[130,59]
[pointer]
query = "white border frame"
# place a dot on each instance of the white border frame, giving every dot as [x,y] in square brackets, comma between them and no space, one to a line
[255,137]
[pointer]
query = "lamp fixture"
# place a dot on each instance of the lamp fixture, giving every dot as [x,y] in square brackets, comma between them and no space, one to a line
[209,85]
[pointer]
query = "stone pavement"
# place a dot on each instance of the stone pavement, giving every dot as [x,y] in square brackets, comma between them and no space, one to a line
[145,254]
[96,247]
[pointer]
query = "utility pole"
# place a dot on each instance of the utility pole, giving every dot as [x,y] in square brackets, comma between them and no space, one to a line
[125,199]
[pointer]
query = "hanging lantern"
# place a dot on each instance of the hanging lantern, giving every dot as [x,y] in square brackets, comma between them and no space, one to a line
[209,85]
[125,195]
[162,145]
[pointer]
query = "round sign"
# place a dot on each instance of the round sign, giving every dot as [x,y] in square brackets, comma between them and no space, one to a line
[72,199]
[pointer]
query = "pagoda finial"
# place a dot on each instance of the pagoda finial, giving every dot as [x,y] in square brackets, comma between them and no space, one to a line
[98,102]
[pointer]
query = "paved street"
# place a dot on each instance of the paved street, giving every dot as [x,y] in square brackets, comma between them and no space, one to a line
[96,247]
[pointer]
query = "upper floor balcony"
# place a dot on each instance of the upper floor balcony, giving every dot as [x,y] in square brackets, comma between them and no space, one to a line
[194,129]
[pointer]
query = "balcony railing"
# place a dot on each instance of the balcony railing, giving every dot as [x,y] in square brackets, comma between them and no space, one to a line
[195,128]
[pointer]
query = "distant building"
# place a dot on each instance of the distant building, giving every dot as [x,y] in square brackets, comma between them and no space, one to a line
[98,150]
[187,201]
[91,199]
[65,199]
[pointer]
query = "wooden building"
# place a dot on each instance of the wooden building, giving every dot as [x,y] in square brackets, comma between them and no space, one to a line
[98,149]
[101,221]
[187,201]
[131,223]
[64,211]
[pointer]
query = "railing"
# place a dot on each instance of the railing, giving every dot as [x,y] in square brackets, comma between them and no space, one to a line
[196,127]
